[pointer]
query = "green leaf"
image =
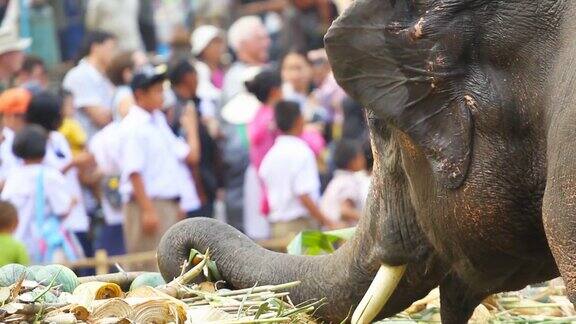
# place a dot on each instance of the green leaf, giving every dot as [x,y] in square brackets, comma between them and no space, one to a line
[318,242]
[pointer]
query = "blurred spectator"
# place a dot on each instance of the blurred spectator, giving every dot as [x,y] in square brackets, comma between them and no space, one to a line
[208,47]
[291,177]
[37,21]
[354,125]
[262,133]
[11,55]
[13,105]
[343,200]
[69,19]
[305,23]
[259,7]
[147,26]
[214,12]
[120,72]
[71,128]
[41,196]
[45,110]
[184,81]
[92,91]
[150,155]
[13,251]
[105,147]
[33,75]
[270,12]
[207,174]
[327,92]
[250,41]
[297,86]
[119,18]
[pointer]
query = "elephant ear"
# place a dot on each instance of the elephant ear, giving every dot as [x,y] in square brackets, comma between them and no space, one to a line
[382,60]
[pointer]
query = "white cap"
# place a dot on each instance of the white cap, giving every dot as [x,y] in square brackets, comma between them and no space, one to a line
[202,36]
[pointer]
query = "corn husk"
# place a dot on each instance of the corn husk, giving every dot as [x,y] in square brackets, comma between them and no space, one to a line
[111,320]
[114,307]
[80,312]
[88,292]
[61,318]
[156,310]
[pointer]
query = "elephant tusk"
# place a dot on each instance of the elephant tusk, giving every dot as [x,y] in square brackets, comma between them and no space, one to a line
[378,293]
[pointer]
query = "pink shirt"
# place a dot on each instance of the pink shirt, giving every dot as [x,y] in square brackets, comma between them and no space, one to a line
[262,134]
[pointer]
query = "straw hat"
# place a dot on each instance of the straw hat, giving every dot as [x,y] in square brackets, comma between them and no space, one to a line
[202,36]
[10,41]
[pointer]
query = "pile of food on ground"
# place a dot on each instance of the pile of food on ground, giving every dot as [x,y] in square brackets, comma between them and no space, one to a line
[53,294]
[536,304]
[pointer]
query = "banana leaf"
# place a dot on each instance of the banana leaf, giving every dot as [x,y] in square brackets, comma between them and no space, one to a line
[318,242]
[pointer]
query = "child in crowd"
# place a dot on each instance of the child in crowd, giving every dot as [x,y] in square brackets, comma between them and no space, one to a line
[291,178]
[13,105]
[344,197]
[262,132]
[71,128]
[45,110]
[105,147]
[40,195]
[12,250]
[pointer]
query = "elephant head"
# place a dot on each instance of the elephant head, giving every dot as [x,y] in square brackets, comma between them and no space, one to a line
[470,109]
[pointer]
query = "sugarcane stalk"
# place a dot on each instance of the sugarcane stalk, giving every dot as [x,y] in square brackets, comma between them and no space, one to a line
[255,297]
[122,279]
[249,321]
[260,289]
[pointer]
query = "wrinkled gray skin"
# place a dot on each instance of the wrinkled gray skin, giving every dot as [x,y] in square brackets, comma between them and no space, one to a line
[472,112]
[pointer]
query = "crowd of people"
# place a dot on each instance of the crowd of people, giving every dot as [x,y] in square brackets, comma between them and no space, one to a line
[236,124]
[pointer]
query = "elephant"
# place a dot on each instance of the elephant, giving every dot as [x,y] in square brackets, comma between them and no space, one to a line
[471,107]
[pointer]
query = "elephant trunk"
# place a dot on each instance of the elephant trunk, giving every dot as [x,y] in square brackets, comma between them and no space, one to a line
[342,278]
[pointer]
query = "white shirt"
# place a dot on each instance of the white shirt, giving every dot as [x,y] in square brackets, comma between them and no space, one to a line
[20,189]
[206,90]
[8,161]
[189,200]
[89,88]
[289,170]
[234,81]
[150,149]
[59,155]
[105,146]
[345,185]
